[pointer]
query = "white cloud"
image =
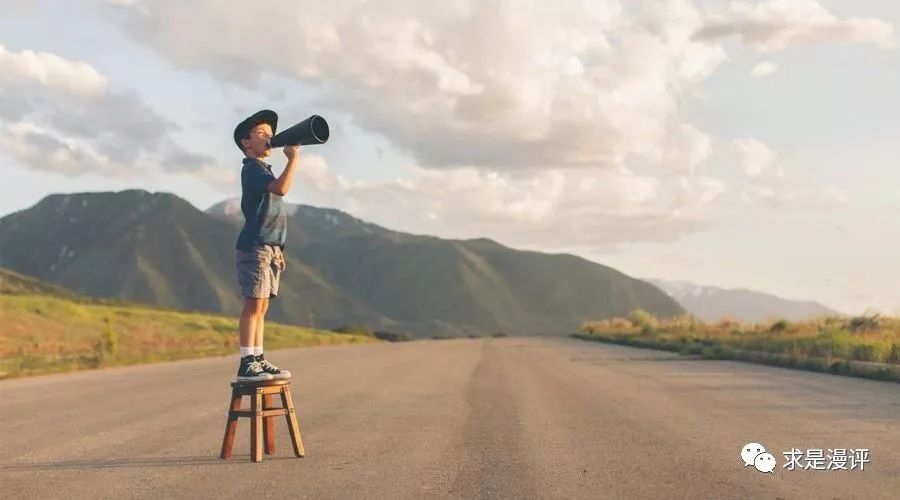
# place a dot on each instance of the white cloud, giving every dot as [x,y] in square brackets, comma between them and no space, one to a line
[764,69]
[547,209]
[50,71]
[521,113]
[778,24]
[770,185]
[757,159]
[65,119]
[775,197]
[41,148]
[516,114]
[497,85]
[489,85]
[137,5]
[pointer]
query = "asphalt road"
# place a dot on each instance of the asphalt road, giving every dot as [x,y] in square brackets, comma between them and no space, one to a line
[472,418]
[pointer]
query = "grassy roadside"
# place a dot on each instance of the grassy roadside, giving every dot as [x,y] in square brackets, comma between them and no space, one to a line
[864,346]
[42,334]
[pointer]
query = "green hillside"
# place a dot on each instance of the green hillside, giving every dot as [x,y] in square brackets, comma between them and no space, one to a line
[13,283]
[156,248]
[159,249]
[49,333]
[479,285]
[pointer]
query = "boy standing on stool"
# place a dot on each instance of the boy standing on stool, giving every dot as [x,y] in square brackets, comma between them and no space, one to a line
[260,245]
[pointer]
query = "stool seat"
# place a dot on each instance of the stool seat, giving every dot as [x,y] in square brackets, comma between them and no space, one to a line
[260,383]
[261,413]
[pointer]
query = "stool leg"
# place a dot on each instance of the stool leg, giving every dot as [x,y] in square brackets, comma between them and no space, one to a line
[268,426]
[231,424]
[291,417]
[256,427]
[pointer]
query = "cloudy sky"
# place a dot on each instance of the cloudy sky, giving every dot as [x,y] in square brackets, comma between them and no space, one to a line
[735,143]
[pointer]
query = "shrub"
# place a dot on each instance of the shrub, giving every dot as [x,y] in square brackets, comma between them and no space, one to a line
[354,330]
[864,323]
[726,323]
[616,324]
[868,352]
[108,343]
[620,323]
[894,356]
[394,337]
[643,320]
[779,326]
[685,321]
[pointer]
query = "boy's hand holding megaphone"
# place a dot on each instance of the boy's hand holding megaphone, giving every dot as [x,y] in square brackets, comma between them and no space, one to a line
[291,151]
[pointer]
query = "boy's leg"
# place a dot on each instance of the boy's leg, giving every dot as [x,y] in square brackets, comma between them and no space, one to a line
[255,280]
[278,373]
[251,316]
[260,325]
[273,275]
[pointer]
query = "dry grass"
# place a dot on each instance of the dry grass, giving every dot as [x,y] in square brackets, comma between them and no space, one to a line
[827,342]
[44,334]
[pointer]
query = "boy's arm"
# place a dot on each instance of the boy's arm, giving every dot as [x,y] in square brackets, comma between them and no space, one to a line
[282,184]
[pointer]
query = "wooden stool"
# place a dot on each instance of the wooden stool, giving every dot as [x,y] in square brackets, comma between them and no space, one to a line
[261,415]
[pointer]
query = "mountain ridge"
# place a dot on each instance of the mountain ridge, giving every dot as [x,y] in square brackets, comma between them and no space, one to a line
[160,249]
[711,303]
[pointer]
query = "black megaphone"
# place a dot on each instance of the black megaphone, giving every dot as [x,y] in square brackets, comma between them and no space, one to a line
[313,130]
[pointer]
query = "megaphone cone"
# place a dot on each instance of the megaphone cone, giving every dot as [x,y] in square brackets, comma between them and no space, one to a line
[313,130]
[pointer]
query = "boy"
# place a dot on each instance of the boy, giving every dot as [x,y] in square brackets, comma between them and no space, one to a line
[260,245]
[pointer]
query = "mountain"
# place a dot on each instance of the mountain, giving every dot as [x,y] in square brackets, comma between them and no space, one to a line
[711,303]
[428,283]
[157,248]
[13,283]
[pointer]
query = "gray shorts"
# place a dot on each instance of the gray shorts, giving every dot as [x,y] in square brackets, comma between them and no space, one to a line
[259,271]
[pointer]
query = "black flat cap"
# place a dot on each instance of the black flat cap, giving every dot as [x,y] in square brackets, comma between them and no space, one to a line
[262,116]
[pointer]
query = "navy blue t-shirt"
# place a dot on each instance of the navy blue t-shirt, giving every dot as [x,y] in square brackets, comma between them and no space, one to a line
[265,217]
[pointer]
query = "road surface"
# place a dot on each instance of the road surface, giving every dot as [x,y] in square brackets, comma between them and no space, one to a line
[469,418]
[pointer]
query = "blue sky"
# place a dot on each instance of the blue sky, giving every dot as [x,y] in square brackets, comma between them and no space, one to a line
[747,144]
